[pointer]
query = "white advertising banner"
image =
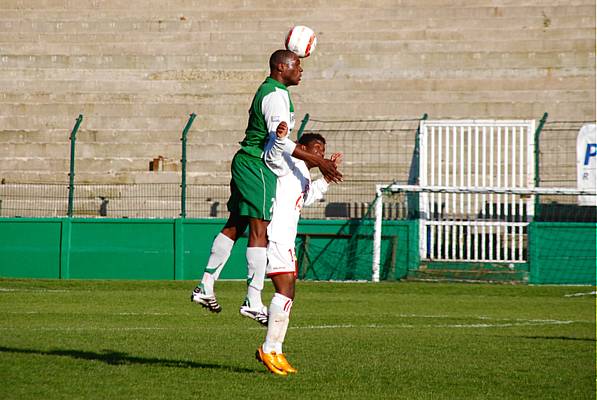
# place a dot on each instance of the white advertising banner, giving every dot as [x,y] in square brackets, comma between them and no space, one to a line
[586,163]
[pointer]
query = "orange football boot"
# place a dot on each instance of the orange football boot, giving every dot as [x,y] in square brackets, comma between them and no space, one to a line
[284,364]
[270,360]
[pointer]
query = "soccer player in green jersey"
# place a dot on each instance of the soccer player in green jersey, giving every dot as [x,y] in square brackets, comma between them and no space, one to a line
[253,186]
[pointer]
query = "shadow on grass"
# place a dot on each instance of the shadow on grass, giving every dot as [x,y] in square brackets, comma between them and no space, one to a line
[119,358]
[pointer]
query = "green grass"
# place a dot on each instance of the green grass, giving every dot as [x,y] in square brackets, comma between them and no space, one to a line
[145,340]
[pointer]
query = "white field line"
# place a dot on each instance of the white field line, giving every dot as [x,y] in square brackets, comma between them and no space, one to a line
[306,327]
[581,294]
[499,323]
[504,321]
[429,326]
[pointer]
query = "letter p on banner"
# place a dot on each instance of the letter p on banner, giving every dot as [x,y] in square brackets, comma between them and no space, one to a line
[586,163]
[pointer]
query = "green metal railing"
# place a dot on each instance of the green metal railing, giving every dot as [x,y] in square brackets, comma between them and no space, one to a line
[183,185]
[537,161]
[71,174]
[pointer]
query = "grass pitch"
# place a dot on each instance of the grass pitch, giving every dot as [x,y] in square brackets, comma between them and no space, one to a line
[145,340]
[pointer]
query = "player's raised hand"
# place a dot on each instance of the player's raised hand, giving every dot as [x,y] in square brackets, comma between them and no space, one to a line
[282,130]
[329,170]
[337,158]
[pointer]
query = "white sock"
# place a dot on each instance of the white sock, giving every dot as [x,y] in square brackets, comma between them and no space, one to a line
[220,252]
[279,316]
[256,262]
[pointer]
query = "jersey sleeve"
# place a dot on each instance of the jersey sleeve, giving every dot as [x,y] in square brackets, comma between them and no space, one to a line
[316,191]
[274,154]
[276,108]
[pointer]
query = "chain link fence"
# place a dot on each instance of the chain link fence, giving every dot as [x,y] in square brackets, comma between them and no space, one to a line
[375,151]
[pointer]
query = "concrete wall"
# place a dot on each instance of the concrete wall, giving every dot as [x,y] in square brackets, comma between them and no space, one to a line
[136,69]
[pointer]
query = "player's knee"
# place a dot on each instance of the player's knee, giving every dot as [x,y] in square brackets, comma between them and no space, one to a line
[284,284]
[258,233]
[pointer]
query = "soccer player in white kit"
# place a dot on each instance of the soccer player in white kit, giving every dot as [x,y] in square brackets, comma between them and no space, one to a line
[294,190]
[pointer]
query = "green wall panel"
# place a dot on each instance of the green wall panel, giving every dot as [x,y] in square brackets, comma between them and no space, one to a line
[563,252]
[121,249]
[30,248]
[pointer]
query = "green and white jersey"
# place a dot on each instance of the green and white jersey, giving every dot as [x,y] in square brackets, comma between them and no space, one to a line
[270,106]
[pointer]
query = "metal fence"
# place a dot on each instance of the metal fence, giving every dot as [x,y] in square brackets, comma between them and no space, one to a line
[375,151]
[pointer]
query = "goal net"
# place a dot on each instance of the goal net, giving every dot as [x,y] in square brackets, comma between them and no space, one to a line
[544,232]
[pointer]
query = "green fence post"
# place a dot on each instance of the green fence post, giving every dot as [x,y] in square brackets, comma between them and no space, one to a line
[66,225]
[71,175]
[302,127]
[183,185]
[418,150]
[537,155]
[179,222]
[413,178]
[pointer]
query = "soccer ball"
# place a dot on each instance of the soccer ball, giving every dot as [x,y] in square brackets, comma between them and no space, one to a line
[301,40]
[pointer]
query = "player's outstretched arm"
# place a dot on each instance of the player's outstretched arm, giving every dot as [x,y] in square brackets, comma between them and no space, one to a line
[327,167]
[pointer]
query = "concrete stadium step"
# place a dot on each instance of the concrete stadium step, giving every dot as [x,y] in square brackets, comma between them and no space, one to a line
[406,37]
[191,79]
[91,155]
[261,4]
[113,164]
[430,59]
[166,104]
[221,177]
[20,89]
[380,107]
[338,18]
[179,78]
[185,15]
[340,46]
[155,111]
[100,122]
[196,136]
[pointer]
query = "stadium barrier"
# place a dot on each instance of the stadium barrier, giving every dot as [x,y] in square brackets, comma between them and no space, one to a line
[127,248]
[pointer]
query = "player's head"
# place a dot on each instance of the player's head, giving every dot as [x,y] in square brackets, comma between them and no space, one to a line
[313,143]
[285,67]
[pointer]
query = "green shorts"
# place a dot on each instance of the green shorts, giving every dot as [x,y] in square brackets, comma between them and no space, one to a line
[252,187]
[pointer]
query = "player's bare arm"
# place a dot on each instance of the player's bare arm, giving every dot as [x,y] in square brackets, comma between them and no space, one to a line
[327,167]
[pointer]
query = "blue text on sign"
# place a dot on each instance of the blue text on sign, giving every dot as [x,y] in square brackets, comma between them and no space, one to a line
[591,152]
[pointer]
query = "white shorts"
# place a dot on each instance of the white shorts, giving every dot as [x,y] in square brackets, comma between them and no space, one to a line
[281,259]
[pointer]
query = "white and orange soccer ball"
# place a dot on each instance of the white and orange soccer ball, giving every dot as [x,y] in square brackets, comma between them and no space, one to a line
[301,40]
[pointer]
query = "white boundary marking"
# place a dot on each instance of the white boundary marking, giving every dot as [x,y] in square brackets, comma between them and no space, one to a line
[498,323]
[581,294]
[33,290]
[309,327]
[410,326]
